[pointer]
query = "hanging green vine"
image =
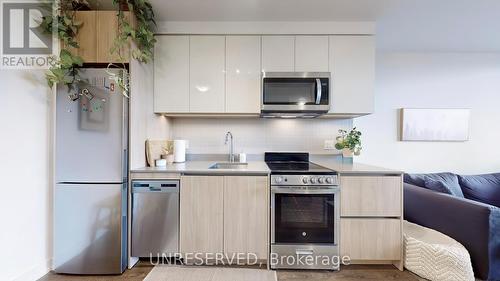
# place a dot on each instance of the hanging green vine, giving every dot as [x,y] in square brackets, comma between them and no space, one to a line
[65,69]
[142,34]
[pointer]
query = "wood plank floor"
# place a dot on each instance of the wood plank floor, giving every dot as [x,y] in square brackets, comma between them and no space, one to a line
[347,273]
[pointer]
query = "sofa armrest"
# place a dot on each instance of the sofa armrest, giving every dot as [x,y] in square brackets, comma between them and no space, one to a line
[464,220]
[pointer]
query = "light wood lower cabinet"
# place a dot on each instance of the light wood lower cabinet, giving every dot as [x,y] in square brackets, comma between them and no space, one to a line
[370,239]
[201,214]
[371,218]
[371,196]
[224,214]
[246,215]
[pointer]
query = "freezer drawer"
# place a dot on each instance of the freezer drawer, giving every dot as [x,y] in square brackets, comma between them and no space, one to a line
[155,218]
[90,228]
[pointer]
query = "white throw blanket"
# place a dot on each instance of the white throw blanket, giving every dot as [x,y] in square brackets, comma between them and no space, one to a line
[435,256]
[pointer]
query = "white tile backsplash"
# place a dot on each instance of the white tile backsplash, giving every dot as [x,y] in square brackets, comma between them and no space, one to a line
[255,136]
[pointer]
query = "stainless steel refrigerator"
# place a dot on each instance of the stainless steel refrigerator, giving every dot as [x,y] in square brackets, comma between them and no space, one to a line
[90,204]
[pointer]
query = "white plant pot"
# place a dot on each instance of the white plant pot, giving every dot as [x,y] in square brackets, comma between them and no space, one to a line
[347,153]
[170,158]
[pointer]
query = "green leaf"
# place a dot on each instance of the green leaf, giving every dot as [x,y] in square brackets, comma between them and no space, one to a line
[339,146]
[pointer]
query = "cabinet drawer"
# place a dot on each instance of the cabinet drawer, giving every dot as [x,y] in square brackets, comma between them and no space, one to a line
[367,196]
[370,239]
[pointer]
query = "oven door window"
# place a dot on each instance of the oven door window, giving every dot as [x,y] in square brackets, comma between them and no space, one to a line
[304,218]
[294,91]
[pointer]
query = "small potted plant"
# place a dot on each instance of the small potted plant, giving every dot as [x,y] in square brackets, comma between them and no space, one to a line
[168,152]
[349,142]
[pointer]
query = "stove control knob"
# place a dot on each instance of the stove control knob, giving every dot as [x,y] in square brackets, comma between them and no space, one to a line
[278,179]
[321,180]
[305,180]
[329,180]
[313,180]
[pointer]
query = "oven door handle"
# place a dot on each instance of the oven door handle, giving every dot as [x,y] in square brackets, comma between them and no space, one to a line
[288,190]
[318,90]
[304,252]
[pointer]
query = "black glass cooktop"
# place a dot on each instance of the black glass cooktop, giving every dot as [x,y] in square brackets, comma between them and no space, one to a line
[296,166]
[293,162]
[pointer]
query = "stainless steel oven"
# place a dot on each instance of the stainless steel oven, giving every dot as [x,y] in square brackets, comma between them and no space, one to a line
[305,217]
[299,94]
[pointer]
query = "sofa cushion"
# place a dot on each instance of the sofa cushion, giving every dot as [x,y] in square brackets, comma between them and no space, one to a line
[450,179]
[482,188]
[443,187]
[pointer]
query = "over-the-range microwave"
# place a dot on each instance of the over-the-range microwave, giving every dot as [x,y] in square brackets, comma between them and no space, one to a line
[295,94]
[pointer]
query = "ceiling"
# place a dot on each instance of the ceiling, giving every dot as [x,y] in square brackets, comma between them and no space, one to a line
[405,25]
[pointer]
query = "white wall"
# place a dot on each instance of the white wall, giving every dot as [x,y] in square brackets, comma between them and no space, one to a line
[266,27]
[144,123]
[256,136]
[435,80]
[25,169]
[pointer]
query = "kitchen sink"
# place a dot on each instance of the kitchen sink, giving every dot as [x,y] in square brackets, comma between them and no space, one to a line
[228,165]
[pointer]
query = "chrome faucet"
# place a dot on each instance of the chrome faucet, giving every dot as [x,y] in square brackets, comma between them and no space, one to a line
[231,151]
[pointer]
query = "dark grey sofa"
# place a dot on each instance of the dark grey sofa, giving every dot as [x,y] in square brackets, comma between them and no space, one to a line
[475,225]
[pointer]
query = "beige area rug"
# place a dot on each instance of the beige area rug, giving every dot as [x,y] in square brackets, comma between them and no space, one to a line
[191,273]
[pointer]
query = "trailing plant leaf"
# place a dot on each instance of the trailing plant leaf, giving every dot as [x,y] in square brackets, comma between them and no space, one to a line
[120,79]
[142,35]
[66,65]
[65,70]
[65,26]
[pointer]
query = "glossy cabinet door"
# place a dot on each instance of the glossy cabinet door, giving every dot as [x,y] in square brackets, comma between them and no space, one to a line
[201,214]
[246,212]
[243,74]
[207,74]
[171,74]
[278,53]
[311,53]
[352,64]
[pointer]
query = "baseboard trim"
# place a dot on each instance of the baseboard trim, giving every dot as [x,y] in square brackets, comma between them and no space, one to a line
[36,272]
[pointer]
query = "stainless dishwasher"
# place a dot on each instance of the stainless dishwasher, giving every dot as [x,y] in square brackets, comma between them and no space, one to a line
[155,218]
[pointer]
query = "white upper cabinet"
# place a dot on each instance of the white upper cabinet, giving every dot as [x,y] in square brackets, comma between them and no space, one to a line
[218,74]
[278,53]
[352,64]
[207,74]
[243,74]
[171,74]
[311,53]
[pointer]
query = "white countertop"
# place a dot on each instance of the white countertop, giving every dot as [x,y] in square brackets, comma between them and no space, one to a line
[202,167]
[260,167]
[336,164]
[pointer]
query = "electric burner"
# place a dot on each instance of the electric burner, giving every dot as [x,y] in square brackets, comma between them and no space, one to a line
[293,163]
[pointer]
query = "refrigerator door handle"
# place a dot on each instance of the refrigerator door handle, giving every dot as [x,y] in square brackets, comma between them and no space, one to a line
[125,165]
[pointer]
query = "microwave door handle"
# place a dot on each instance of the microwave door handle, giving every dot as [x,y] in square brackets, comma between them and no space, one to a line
[318,90]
